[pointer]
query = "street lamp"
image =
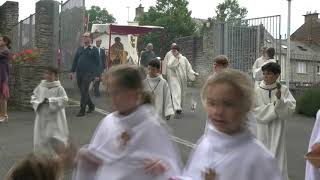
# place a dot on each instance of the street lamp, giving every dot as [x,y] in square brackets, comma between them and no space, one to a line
[288,45]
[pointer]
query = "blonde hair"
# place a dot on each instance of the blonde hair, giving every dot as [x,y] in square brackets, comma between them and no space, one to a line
[239,80]
[35,167]
[129,77]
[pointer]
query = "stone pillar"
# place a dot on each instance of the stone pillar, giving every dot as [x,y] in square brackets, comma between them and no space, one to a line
[47,30]
[9,14]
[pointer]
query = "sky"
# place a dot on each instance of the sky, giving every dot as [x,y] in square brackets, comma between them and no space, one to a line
[200,9]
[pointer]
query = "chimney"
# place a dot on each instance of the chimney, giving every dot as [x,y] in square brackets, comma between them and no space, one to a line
[139,12]
[310,17]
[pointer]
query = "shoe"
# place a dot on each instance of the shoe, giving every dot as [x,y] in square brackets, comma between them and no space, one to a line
[178,114]
[90,110]
[81,113]
[4,119]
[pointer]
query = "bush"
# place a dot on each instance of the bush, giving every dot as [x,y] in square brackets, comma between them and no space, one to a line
[309,102]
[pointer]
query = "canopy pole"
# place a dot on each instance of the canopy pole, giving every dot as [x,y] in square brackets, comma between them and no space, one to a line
[109,60]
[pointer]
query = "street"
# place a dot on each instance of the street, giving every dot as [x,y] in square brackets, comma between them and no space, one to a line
[17,135]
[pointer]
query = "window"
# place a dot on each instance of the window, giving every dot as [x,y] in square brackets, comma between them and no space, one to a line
[318,69]
[301,67]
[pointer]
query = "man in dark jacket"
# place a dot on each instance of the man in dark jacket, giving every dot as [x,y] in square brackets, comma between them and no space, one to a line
[87,66]
[102,54]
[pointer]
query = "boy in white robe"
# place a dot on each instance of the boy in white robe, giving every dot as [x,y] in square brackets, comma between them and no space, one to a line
[179,70]
[313,173]
[228,150]
[130,142]
[267,56]
[50,128]
[274,106]
[159,88]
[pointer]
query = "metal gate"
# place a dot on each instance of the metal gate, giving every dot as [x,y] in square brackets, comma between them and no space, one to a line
[242,41]
[71,29]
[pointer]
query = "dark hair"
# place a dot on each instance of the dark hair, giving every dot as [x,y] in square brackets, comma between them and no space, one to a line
[53,70]
[154,63]
[176,47]
[7,40]
[270,52]
[35,167]
[272,67]
[221,59]
[129,77]
[117,39]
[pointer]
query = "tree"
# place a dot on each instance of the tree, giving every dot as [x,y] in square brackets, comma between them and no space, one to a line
[230,11]
[99,16]
[174,16]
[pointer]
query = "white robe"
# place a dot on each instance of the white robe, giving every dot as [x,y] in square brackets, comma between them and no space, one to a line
[237,157]
[257,71]
[159,88]
[50,119]
[179,70]
[148,139]
[165,62]
[313,173]
[271,120]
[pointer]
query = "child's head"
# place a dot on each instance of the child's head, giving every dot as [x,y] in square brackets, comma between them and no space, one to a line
[154,68]
[271,72]
[5,41]
[125,87]
[220,62]
[270,53]
[35,167]
[227,97]
[51,73]
[263,51]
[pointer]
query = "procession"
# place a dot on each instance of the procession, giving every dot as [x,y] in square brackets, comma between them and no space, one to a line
[87,99]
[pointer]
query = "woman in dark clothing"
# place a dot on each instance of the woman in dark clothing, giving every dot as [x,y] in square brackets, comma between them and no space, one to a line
[4,76]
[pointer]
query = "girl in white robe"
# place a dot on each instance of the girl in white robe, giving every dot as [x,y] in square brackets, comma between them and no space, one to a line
[274,106]
[179,70]
[313,173]
[131,141]
[228,148]
[159,89]
[51,131]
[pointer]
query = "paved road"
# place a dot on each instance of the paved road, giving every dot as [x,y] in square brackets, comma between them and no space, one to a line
[16,136]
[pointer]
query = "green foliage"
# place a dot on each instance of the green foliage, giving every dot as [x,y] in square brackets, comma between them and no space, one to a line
[230,11]
[99,16]
[309,103]
[174,16]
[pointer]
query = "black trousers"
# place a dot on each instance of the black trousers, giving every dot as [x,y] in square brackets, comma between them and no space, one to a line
[84,80]
[96,86]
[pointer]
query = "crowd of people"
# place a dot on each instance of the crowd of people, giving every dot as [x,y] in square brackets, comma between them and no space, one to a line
[246,120]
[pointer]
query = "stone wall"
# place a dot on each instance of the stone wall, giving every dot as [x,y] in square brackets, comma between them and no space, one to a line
[9,14]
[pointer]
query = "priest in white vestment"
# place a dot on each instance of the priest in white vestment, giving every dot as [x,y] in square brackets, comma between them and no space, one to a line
[159,89]
[50,127]
[165,61]
[274,106]
[179,70]
[313,173]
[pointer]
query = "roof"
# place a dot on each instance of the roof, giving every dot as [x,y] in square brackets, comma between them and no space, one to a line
[301,50]
[124,29]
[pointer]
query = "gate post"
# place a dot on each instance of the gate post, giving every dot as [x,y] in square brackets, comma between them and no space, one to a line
[47,30]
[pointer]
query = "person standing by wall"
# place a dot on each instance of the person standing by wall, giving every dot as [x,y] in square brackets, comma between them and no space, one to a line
[86,64]
[4,76]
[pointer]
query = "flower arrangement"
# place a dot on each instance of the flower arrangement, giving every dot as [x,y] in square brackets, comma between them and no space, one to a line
[26,56]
